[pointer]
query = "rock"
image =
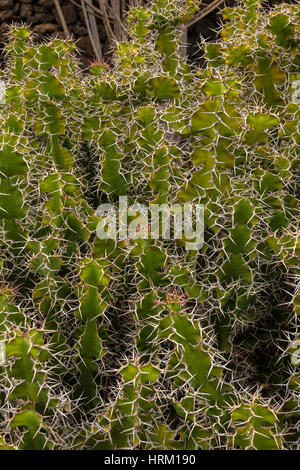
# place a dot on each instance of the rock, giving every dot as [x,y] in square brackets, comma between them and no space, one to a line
[85,44]
[3,27]
[38,18]
[6,4]
[16,8]
[80,14]
[6,15]
[107,49]
[58,35]
[46,28]
[79,30]
[38,9]
[25,10]
[102,33]
[25,1]
[69,13]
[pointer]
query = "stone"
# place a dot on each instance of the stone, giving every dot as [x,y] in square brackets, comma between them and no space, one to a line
[58,35]
[69,13]
[6,15]
[38,9]
[102,33]
[25,10]
[85,44]
[46,28]
[107,49]
[3,27]
[38,18]
[6,4]
[16,8]
[79,30]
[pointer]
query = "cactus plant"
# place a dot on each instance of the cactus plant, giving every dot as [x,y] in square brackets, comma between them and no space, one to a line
[139,343]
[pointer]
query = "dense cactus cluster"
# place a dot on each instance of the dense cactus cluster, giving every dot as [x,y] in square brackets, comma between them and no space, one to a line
[140,343]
